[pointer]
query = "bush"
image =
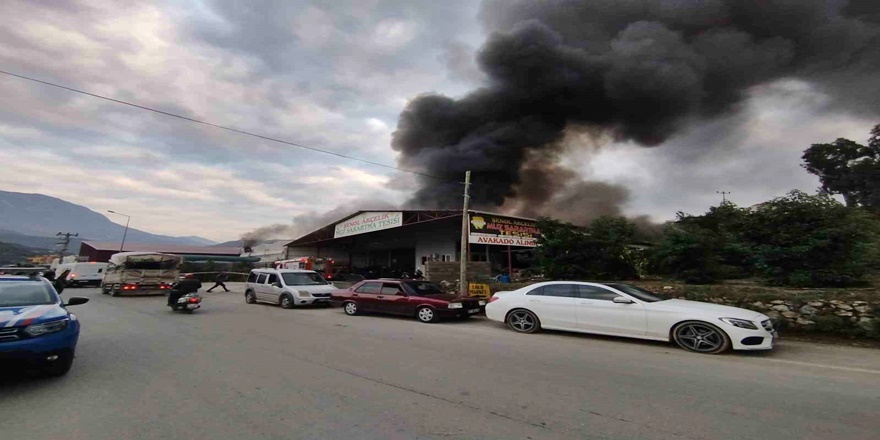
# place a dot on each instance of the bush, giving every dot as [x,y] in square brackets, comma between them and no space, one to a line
[598,252]
[686,255]
[798,240]
[811,240]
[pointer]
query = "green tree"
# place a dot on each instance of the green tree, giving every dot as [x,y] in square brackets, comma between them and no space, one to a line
[704,249]
[599,251]
[689,254]
[812,240]
[848,168]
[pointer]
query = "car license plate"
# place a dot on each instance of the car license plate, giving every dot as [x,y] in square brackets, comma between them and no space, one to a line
[192,306]
[474,311]
[319,301]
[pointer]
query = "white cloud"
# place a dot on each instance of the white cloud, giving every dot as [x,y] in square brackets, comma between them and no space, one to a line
[392,34]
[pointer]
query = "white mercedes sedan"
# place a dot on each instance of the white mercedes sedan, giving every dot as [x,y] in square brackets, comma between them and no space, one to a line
[622,310]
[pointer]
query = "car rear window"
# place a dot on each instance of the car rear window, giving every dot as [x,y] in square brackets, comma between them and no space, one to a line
[25,293]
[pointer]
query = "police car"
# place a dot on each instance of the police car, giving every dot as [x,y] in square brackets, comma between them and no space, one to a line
[36,330]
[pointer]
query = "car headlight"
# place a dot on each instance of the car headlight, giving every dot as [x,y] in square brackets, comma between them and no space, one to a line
[454,305]
[741,323]
[482,302]
[303,293]
[47,327]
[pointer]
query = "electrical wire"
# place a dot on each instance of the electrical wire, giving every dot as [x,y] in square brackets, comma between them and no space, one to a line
[222,127]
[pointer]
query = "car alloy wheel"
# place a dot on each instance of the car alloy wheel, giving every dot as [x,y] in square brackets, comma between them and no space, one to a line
[426,314]
[523,321]
[350,308]
[701,337]
[250,298]
[286,302]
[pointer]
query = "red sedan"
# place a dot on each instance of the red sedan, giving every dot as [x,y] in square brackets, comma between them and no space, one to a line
[422,299]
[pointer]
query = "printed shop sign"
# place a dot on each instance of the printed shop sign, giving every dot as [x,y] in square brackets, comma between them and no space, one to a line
[480,290]
[368,222]
[502,231]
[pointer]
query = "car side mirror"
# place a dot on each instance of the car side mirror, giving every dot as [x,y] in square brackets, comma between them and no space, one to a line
[76,300]
[622,300]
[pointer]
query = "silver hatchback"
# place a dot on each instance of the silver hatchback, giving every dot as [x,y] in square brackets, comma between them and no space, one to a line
[287,287]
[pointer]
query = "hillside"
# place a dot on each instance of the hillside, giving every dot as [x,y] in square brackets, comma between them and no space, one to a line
[13,253]
[41,216]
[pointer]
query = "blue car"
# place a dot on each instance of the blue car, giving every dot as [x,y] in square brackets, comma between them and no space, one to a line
[36,330]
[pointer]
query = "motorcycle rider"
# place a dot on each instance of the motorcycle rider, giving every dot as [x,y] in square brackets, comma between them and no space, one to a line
[187,285]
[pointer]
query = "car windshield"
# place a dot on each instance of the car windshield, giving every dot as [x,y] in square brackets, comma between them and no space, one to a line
[25,293]
[637,292]
[303,279]
[422,288]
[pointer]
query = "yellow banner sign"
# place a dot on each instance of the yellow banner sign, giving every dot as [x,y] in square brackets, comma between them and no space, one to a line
[478,290]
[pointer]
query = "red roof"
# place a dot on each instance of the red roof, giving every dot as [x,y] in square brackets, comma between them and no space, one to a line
[163,248]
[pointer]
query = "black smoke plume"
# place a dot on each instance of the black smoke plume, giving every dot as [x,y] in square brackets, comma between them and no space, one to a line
[626,70]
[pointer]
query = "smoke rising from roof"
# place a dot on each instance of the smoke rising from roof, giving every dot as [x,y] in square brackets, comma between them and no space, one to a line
[305,223]
[629,70]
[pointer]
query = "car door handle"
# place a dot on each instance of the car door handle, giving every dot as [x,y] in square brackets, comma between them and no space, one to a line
[354,294]
[534,300]
[380,297]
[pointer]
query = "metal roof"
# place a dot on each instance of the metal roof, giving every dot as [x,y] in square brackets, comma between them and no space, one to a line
[162,248]
[410,217]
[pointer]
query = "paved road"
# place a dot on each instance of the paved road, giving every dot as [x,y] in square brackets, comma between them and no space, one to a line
[238,371]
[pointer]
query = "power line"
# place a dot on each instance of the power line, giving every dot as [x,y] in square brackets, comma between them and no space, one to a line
[220,126]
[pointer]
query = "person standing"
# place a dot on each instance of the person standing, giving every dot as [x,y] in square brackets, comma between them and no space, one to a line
[218,281]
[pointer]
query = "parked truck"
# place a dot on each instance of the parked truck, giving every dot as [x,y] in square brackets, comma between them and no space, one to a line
[141,273]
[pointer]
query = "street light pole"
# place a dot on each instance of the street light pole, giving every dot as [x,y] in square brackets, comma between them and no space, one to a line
[127,221]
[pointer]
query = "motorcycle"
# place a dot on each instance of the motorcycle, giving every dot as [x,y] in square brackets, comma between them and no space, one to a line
[187,303]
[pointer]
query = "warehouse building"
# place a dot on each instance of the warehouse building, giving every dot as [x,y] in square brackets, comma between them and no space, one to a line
[393,243]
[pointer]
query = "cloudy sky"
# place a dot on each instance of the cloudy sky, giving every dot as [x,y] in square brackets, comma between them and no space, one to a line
[331,75]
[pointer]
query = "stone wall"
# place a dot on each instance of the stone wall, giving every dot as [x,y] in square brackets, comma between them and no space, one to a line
[850,317]
[449,271]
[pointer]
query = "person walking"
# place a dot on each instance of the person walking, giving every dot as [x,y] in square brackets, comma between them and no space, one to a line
[218,281]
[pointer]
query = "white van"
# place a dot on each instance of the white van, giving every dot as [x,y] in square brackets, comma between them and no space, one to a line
[83,274]
[287,287]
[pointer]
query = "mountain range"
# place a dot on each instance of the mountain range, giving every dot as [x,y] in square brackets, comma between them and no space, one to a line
[33,220]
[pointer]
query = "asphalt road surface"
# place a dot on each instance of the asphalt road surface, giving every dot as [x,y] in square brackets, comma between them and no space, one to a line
[239,371]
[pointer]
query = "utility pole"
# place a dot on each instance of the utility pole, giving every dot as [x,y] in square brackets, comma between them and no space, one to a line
[462,276]
[63,242]
[124,233]
[723,196]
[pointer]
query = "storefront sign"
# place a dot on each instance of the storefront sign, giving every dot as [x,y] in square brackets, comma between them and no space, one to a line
[368,222]
[481,290]
[503,231]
